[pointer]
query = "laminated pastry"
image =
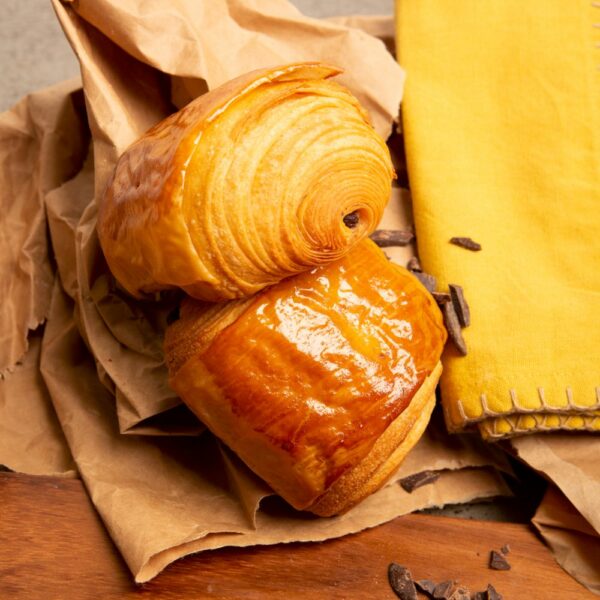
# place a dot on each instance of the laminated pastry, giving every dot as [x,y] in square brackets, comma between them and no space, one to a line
[267,176]
[321,383]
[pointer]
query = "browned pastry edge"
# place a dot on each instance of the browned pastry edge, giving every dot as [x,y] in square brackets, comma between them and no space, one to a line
[385,456]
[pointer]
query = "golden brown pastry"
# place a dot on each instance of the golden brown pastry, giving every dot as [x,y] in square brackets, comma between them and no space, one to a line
[322,383]
[264,177]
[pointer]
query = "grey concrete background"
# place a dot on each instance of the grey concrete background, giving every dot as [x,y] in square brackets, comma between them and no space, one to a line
[34,52]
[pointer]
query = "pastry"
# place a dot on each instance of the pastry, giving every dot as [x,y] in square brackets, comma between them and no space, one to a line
[321,383]
[267,176]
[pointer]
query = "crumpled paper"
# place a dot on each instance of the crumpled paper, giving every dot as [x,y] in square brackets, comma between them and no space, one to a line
[34,160]
[575,543]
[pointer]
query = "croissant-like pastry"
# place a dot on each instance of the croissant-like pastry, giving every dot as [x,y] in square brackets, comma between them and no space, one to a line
[322,383]
[267,176]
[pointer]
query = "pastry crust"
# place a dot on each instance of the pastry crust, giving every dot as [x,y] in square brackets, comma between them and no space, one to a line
[246,185]
[321,383]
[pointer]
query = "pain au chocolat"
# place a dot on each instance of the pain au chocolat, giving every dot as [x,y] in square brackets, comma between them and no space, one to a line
[321,383]
[267,176]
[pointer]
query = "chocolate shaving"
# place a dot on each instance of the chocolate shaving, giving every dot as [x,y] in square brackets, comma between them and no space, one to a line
[413,264]
[453,327]
[441,297]
[426,586]
[412,482]
[492,594]
[392,237]
[443,590]
[460,304]
[429,281]
[401,582]
[466,242]
[498,562]
[505,549]
[351,220]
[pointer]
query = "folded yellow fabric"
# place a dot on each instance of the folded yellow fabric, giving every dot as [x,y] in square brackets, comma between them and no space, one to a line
[501,118]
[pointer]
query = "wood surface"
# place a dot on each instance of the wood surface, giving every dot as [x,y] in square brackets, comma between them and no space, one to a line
[53,545]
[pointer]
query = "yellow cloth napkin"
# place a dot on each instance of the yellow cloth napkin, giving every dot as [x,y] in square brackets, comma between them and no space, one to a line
[501,118]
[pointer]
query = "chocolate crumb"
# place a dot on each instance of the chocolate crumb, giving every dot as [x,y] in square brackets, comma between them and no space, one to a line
[413,264]
[466,242]
[498,562]
[426,586]
[505,549]
[492,594]
[392,237]
[412,482]
[401,582]
[351,220]
[460,593]
[460,304]
[442,590]
[453,327]
[429,281]
[441,297]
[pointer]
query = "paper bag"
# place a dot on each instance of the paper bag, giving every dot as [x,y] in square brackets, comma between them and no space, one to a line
[576,545]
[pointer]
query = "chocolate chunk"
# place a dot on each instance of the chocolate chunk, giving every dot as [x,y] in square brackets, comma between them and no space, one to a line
[460,593]
[505,549]
[173,316]
[351,220]
[453,327]
[492,594]
[413,264]
[401,582]
[441,297]
[412,482]
[465,242]
[443,590]
[392,237]
[498,562]
[426,586]
[429,281]
[460,304]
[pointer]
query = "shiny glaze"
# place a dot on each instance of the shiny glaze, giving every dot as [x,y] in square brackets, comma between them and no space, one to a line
[315,369]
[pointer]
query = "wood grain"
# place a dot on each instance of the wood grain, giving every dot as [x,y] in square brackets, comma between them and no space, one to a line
[53,545]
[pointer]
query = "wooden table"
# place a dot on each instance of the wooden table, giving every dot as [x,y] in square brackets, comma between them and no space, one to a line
[53,545]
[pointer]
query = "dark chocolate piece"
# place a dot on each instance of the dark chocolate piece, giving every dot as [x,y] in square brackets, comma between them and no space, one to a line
[401,582]
[426,586]
[351,220]
[498,562]
[443,590]
[453,327]
[413,264]
[429,281]
[460,304]
[392,237]
[492,594]
[173,316]
[505,549]
[466,242]
[412,482]
[441,297]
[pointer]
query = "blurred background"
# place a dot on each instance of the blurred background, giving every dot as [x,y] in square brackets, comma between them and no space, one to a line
[34,52]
